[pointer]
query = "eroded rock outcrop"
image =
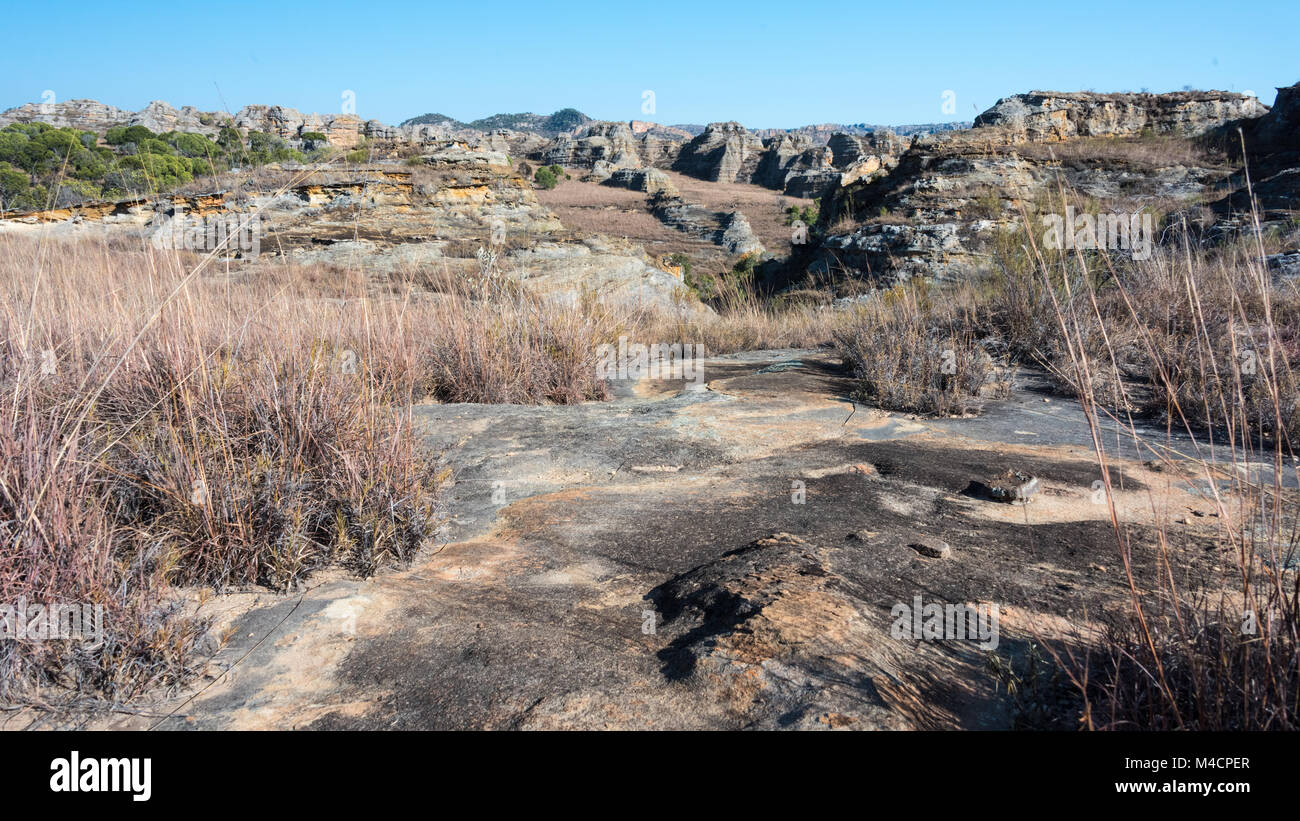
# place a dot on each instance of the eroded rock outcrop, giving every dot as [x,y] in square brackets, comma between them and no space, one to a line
[935,210]
[610,143]
[343,130]
[789,162]
[725,152]
[391,219]
[89,115]
[783,154]
[728,229]
[1272,144]
[650,180]
[1049,115]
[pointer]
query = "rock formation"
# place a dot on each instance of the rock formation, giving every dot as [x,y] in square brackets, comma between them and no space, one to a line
[725,152]
[650,180]
[933,210]
[343,130]
[89,115]
[729,229]
[388,218]
[1272,143]
[1048,115]
[605,142]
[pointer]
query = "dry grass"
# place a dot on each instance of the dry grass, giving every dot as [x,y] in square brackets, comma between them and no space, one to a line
[764,208]
[746,321]
[1204,342]
[1224,656]
[1151,151]
[590,206]
[916,351]
[617,212]
[1179,337]
[165,424]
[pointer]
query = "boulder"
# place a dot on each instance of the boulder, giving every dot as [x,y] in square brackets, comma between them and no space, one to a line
[650,180]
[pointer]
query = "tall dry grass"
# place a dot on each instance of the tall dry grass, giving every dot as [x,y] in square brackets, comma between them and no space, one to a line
[918,349]
[1205,341]
[1201,341]
[170,423]
[743,319]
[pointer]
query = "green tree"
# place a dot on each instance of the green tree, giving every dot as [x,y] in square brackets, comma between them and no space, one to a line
[13,184]
[123,134]
[230,139]
[194,145]
[545,177]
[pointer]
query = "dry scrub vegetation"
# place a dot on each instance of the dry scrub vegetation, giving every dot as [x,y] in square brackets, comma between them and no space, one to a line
[1207,344]
[166,423]
[1202,341]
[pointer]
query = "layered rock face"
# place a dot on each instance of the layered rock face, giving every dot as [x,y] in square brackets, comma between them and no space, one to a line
[781,155]
[848,150]
[1042,116]
[605,142]
[640,127]
[89,115]
[793,163]
[387,218]
[342,130]
[730,230]
[605,148]
[650,180]
[1279,129]
[1272,143]
[934,211]
[725,152]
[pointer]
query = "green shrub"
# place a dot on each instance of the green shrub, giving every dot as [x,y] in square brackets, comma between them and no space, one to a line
[13,184]
[152,146]
[545,178]
[160,171]
[194,145]
[230,139]
[123,134]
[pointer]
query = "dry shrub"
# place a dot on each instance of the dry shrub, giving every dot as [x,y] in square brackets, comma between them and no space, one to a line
[912,351]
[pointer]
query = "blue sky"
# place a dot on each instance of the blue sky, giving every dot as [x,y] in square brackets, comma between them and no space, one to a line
[765,64]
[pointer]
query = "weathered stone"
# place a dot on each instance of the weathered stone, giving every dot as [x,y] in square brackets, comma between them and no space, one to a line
[1049,115]
[930,547]
[1011,487]
[607,142]
[650,180]
[935,210]
[781,155]
[725,152]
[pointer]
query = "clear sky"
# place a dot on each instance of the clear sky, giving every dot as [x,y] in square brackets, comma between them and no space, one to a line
[779,64]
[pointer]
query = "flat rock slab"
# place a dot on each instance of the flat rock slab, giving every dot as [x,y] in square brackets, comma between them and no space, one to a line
[682,559]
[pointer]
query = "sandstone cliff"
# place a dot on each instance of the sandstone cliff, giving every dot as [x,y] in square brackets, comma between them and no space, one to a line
[936,209]
[1050,115]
